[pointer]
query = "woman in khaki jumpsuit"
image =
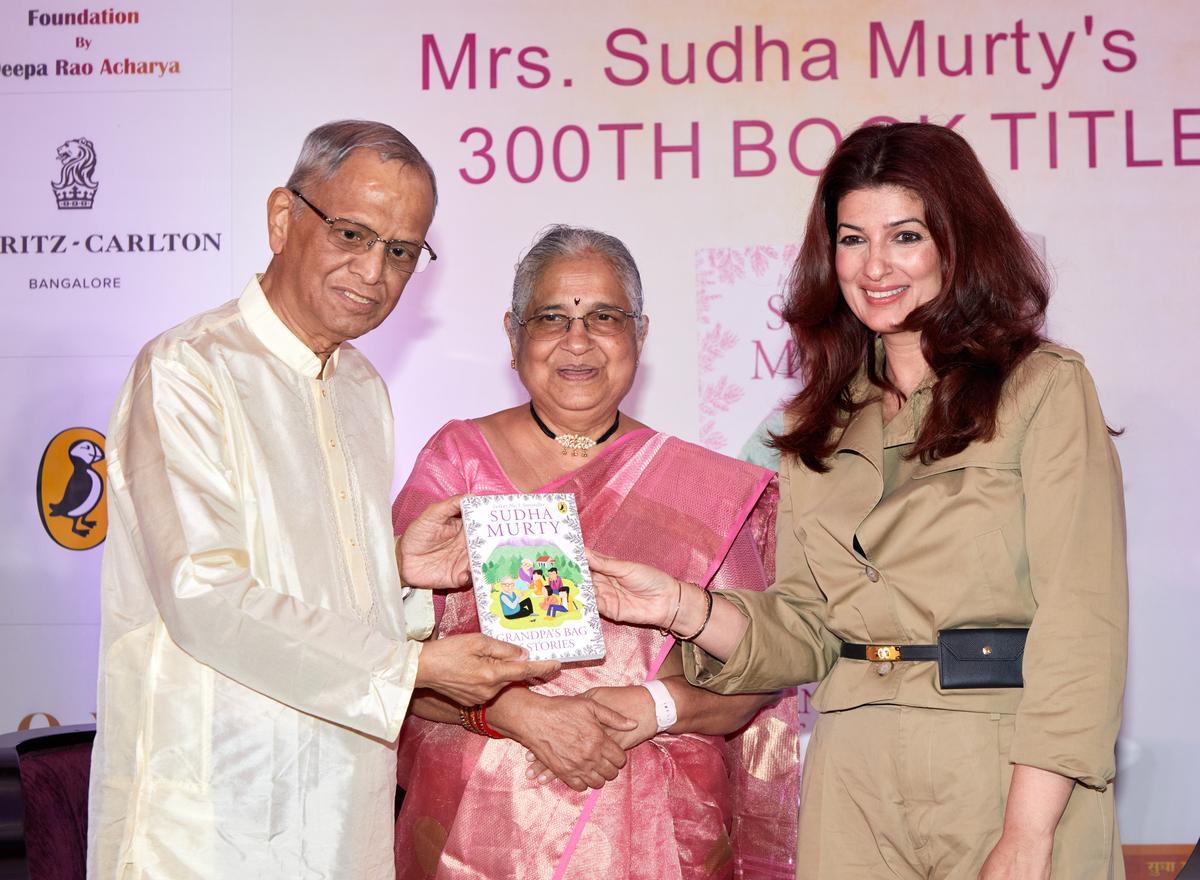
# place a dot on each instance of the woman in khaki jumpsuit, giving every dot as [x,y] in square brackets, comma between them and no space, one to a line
[945,468]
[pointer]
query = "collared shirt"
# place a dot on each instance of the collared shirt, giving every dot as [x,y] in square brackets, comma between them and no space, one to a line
[900,435]
[1026,529]
[254,670]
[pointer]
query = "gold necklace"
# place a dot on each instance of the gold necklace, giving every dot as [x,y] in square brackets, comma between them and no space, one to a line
[575,444]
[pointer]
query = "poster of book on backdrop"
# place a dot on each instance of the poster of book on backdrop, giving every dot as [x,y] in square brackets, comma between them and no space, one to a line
[531,578]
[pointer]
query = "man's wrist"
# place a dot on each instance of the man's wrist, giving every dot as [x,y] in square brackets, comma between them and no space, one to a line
[426,655]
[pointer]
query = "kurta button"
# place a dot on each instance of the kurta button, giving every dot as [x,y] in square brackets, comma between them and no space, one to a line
[332,443]
[883,668]
[871,573]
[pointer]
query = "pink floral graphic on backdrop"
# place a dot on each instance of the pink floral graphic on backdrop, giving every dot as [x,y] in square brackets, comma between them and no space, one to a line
[742,352]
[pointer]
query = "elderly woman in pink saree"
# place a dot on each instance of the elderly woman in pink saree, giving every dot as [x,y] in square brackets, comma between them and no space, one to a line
[706,788]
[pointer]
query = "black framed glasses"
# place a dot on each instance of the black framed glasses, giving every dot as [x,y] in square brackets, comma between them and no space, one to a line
[607,321]
[403,256]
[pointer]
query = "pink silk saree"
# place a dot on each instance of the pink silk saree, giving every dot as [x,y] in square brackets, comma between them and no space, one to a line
[685,807]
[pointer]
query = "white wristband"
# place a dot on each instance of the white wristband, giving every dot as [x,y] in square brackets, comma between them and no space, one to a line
[665,714]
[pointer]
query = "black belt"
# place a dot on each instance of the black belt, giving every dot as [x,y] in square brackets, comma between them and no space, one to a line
[966,658]
[881,653]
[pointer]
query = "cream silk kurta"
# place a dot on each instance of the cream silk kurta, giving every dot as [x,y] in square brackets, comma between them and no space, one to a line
[254,669]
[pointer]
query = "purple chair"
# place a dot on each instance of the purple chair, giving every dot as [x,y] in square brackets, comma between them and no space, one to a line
[43,802]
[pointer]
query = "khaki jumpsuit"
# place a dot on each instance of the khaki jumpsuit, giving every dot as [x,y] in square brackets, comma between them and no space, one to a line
[903,779]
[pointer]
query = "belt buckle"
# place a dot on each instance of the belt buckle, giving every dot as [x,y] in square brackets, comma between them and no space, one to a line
[883,653]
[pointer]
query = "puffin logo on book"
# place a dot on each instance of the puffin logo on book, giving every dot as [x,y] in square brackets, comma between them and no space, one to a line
[76,186]
[70,489]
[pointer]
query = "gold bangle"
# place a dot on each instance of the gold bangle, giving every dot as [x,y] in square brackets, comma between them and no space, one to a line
[666,631]
[467,717]
[708,598]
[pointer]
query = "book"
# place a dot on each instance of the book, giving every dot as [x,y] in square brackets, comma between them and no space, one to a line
[532,584]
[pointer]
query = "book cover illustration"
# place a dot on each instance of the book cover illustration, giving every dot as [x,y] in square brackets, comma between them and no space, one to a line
[532,583]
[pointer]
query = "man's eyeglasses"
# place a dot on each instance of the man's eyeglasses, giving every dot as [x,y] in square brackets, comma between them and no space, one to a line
[608,321]
[354,238]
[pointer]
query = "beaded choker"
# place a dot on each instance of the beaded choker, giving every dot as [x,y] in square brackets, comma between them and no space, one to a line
[575,444]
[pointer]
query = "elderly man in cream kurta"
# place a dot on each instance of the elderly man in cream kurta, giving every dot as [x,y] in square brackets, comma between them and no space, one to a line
[254,668]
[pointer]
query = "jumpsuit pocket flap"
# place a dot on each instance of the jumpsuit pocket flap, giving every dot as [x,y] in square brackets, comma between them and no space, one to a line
[981,658]
[961,461]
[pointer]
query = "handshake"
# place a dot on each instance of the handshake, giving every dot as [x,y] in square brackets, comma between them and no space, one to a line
[581,739]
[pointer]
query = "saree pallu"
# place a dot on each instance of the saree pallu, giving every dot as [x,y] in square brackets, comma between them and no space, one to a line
[685,807]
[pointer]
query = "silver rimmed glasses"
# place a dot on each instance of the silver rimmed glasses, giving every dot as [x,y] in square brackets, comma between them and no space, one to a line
[403,256]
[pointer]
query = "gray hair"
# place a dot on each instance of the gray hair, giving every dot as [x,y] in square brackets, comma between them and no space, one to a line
[561,241]
[328,146]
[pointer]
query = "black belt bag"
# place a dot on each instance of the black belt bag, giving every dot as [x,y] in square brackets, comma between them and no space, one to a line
[966,658]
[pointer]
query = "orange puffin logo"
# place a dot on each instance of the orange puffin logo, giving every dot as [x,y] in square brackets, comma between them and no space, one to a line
[70,489]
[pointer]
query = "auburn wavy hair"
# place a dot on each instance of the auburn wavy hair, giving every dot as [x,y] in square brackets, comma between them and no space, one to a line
[988,316]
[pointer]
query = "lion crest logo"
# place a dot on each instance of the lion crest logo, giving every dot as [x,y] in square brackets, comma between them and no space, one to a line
[76,187]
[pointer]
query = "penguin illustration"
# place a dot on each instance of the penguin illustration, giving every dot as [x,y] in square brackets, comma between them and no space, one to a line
[84,488]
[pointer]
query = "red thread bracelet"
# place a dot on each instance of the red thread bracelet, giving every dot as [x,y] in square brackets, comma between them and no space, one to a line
[486,729]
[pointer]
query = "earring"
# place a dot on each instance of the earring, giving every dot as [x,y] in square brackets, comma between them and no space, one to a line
[513,363]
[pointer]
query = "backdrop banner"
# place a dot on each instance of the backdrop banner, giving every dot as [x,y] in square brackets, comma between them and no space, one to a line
[142,141]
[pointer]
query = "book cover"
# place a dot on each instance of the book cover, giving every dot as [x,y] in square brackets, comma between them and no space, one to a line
[532,583]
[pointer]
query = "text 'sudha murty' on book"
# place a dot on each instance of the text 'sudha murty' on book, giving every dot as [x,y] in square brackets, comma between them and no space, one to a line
[532,583]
